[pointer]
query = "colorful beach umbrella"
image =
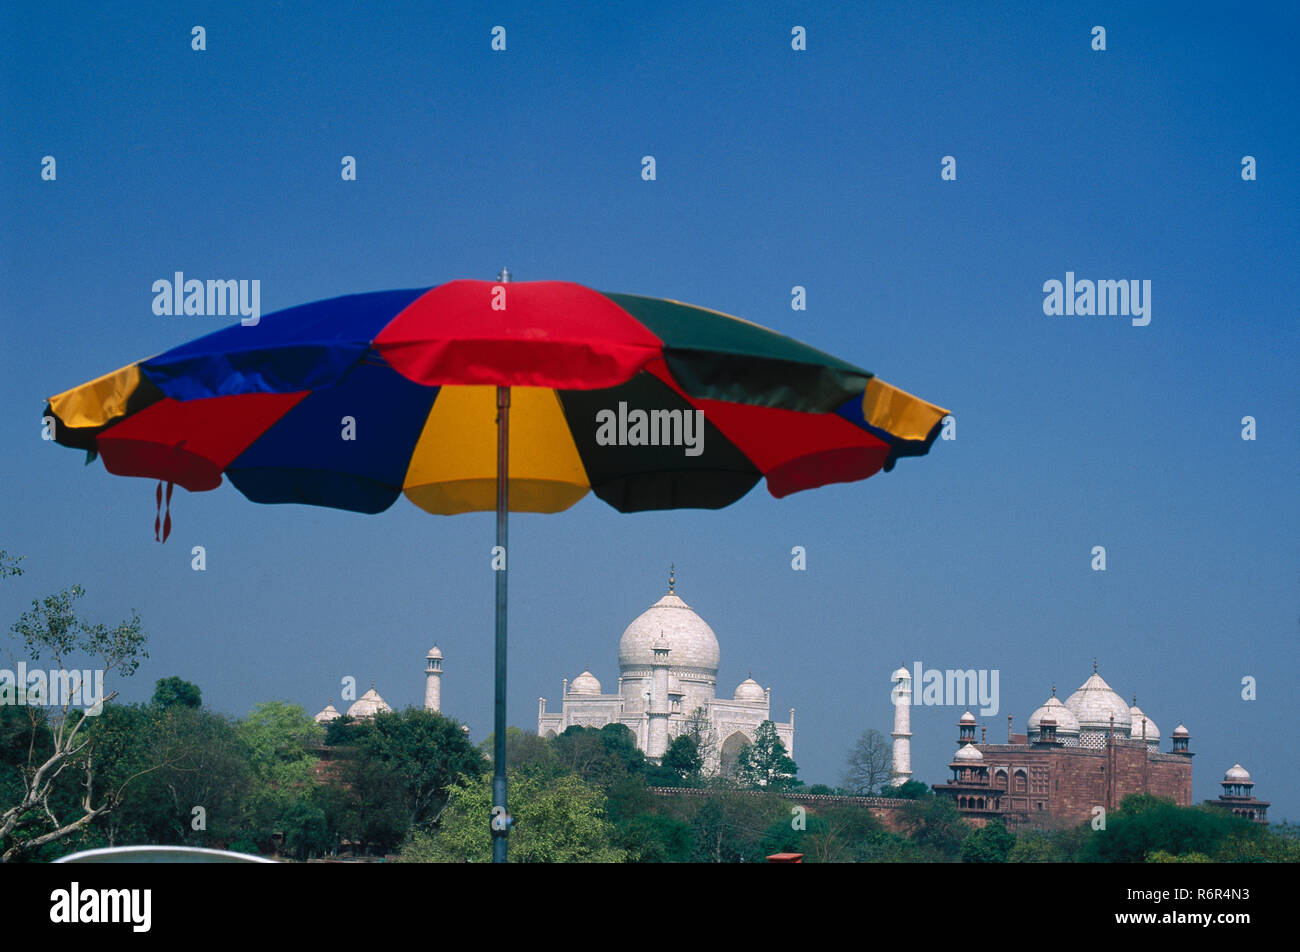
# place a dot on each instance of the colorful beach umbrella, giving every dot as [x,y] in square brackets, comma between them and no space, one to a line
[354,401]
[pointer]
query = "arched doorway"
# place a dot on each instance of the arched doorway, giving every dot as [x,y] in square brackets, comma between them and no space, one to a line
[731,748]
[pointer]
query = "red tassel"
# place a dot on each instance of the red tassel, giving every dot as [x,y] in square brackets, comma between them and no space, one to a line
[167,521]
[157,495]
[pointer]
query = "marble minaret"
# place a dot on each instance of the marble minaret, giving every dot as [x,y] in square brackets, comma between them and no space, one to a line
[433,680]
[902,732]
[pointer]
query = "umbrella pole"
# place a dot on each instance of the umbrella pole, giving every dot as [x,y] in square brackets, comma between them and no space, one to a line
[500,813]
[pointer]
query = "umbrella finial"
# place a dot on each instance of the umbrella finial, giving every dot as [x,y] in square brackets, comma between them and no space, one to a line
[1094,665]
[504,276]
[671,583]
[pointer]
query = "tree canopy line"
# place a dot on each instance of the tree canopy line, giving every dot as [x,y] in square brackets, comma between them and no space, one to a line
[411,784]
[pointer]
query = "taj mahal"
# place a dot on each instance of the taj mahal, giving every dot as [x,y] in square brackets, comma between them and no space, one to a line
[667,685]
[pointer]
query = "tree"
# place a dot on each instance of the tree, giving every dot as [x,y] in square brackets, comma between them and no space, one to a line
[278,737]
[731,826]
[765,763]
[58,742]
[989,844]
[599,756]
[935,826]
[557,820]
[523,749]
[1036,846]
[699,727]
[869,764]
[656,838]
[910,790]
[9,564]
[682,759]
[195,797]
[1145,824]
[425,751]
[175,692]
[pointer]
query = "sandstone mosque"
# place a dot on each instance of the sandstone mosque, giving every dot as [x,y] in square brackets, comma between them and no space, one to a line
[1090,751]
[370,703]
[668,677]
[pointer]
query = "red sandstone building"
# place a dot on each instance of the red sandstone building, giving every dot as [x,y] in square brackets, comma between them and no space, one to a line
[1092,751]
[1238,796]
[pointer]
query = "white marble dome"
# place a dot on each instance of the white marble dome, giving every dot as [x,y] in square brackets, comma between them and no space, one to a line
[967,718]
[750,690]
[1237,774]
[902,674]
[584,683]
[1095,702]
[691,642]
[368,705]
[327,715]
[968,753]
[434,652]
[1066,722]
[1136,714]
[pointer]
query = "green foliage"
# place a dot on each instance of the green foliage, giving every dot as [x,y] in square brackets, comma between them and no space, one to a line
[523,749]
[1145,824]
[1262,845]
[342,731]
[731,826]
[175,692]
[9,564]
[599,756]
[683,760]
[936,828]
[827,791]
[557,820]
[306,829]
[278,736]
[1160,856]
[656,838]
[911,790]
[51,796]
[52,627]
[1038,846]
[165,762]
[423,752]
[990,843]
[765,762]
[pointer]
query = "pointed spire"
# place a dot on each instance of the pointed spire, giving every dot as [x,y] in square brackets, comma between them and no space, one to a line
[1094,665]
[1053,690]
[671,581]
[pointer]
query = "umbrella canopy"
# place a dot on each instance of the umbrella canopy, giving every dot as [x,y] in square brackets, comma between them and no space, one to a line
[351,402]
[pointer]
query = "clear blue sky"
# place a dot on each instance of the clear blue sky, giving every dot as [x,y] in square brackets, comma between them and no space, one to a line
[775,168]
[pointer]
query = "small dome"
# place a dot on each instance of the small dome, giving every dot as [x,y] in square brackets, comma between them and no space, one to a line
[585,683]
[1095,702]
[968,753]
[1237,774]
[1153,732]
[1181,731]
[327,715]
[434,652]
[1053,709]
[967,718]
[368,705]
[902,674]
[750,690]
